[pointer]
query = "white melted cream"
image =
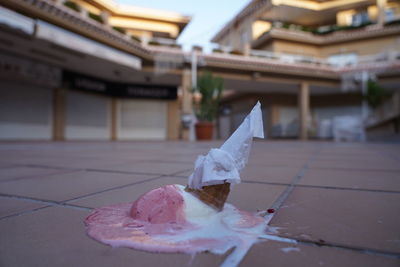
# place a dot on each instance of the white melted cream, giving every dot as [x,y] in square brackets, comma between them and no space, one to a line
[229,225]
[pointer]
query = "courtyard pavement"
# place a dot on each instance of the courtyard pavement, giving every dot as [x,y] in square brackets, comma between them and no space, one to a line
[339,202]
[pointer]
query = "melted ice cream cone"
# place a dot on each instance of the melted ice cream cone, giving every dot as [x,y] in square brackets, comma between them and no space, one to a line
[213,195]
[215,172]
[192,219]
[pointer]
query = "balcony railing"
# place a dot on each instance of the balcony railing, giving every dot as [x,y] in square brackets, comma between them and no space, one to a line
[388,56]
[326,29]
[289,58]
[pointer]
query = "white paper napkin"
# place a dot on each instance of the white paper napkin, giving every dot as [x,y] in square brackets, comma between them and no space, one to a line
[224,164]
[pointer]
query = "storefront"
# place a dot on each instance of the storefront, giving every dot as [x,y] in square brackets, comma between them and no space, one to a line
[141,109]
[26,92]
[25,111]
[42,102]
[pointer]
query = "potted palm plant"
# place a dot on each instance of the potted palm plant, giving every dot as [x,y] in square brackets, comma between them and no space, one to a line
[207,96]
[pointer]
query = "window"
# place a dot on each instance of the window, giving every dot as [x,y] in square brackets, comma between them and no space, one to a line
[360,19]
[389,15]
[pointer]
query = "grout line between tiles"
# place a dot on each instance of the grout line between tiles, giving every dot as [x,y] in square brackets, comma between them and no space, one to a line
[267,183]
[285,194]
[362,250]
[353,169]
[37,176]
[324,187]
[65,203]
[123,186]
[114,188]
[180,172]
[47,203]
[171,161]
[121,172]
[322,243]
[25,212]
[47,167]
[176,173]
[95,170]
[31,199]
[350,189]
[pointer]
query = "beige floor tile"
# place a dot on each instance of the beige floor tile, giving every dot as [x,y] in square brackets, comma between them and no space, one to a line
[355,179]
[272,174]
[151,167]
[56,237]
[354,163]
[61,187]
[351,218]
[280,254]
[18,172]
[126,194]
[254,197]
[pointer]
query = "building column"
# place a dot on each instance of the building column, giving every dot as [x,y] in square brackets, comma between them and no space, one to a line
[248,38]
[304,109]
[114,119]
[186,100]
[381,4]
[59,96]
[173,120]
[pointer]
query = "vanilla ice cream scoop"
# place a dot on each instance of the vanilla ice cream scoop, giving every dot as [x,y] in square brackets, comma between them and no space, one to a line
[223,165]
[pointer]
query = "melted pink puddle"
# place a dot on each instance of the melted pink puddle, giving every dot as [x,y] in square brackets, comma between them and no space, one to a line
[157,222]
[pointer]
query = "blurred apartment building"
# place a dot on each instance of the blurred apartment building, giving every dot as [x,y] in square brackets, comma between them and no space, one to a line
[92,69]
[357,40]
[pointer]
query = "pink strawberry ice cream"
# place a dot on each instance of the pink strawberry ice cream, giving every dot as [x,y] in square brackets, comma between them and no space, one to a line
[169,219]
[161,205]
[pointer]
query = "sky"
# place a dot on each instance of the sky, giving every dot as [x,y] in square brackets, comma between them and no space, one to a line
[208,17]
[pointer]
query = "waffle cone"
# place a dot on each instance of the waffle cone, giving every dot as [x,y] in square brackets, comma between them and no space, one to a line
[213,195]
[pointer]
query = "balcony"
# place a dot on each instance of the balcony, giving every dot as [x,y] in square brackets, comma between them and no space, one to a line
[102,19]
[387,57]
[328,34]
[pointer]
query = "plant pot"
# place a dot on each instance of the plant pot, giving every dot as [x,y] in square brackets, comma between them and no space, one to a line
[204,130]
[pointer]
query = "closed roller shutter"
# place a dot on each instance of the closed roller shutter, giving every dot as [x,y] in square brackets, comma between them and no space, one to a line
[25,112]
[142,119]
[87,116]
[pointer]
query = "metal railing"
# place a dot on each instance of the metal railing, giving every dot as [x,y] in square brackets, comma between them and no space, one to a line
[387,56]
[289,58]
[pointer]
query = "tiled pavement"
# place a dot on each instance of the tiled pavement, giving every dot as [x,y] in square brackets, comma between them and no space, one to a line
[340,202]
